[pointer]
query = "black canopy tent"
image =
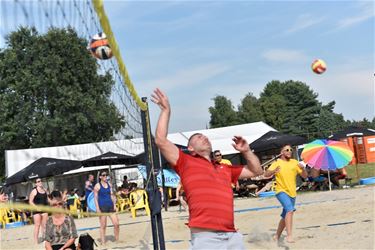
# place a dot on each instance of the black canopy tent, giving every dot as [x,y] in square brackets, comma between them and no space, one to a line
[275,140]
[110,158]
[351,132]
[42,168]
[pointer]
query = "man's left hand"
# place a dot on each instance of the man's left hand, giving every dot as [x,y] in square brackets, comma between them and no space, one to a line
[240,144]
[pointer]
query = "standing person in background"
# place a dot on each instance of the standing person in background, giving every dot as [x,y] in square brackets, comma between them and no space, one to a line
[181,196]
[89,185]
[219,158]
[207,184]
[105,202]
[39,196]
[125,183]
[286,170]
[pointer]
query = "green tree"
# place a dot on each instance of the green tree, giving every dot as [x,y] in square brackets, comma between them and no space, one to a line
[329,122]
[249,109]
[290,106]
[365,123]
[51,93]
[223,113]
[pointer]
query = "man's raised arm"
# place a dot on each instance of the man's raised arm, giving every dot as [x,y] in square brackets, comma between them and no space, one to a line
[252,167]
[167,148]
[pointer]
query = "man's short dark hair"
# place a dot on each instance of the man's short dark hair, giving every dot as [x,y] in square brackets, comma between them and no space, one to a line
[192,137]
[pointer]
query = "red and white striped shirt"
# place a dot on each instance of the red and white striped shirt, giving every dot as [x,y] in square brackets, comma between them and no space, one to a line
[208,191]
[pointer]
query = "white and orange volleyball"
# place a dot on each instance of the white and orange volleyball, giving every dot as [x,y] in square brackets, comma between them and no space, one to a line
[318,66]
[99,47]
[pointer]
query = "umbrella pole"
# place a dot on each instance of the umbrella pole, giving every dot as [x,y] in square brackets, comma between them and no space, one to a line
[329,181]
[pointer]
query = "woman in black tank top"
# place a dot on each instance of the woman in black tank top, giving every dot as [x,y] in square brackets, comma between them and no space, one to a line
[39,196]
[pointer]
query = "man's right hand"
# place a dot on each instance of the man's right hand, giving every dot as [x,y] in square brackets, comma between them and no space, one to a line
[159,98]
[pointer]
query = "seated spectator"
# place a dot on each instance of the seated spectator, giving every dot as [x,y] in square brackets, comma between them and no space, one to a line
[61,230]
[318,181]
[132,186]
[333,175]
[55,194]
[123,192]
[71,197]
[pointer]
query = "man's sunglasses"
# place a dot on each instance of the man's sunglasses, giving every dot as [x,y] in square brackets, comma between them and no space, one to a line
[217,155]
[289,150]
[103,175]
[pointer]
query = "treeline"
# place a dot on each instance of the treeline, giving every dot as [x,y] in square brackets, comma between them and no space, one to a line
[51,93]
[290,107]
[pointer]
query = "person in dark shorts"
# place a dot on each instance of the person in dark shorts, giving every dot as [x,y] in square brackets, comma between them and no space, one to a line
[39,196]
[105,202]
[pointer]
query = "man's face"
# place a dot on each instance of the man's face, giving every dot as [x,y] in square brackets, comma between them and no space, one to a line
[217,156]
[287,151]
[91,178]
[200,143]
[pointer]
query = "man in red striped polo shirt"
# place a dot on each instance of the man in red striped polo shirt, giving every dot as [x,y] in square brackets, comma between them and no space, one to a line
[207,184]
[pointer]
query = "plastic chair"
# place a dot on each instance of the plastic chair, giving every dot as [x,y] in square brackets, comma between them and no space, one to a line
[8,216]
[122,203]
[139,200]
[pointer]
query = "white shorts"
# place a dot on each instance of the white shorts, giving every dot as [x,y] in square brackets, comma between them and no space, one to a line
[217,241]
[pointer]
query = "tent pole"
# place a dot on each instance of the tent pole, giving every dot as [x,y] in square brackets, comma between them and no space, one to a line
[269,161]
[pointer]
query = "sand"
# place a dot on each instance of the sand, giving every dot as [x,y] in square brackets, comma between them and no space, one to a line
[339,219]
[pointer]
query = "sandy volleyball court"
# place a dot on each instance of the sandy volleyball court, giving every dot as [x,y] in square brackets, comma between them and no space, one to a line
[341,219]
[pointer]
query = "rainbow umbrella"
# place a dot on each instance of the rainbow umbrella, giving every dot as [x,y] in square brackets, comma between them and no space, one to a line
[327,155]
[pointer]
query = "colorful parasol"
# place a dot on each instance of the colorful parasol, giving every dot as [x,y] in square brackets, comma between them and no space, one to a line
[327,154]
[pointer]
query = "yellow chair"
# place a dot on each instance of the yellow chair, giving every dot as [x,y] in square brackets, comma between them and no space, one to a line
[122,203]
[139,200]
[8,216]
[76,208]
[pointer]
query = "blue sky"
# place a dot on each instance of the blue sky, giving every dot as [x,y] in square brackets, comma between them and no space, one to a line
[195,50]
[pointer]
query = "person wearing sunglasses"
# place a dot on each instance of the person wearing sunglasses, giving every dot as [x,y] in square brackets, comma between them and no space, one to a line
[286,170]
[207,184]
[39,196]
[105,202]
[218,157]
[61,230]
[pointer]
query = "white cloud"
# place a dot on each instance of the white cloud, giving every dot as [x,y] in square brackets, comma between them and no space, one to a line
[189,76]
[367,12]
[284,55]
[304,21]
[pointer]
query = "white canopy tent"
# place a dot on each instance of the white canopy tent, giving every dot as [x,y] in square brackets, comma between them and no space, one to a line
[221,138]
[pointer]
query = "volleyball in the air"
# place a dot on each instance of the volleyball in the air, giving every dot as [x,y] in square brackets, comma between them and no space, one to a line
[99,46]
[318,66]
